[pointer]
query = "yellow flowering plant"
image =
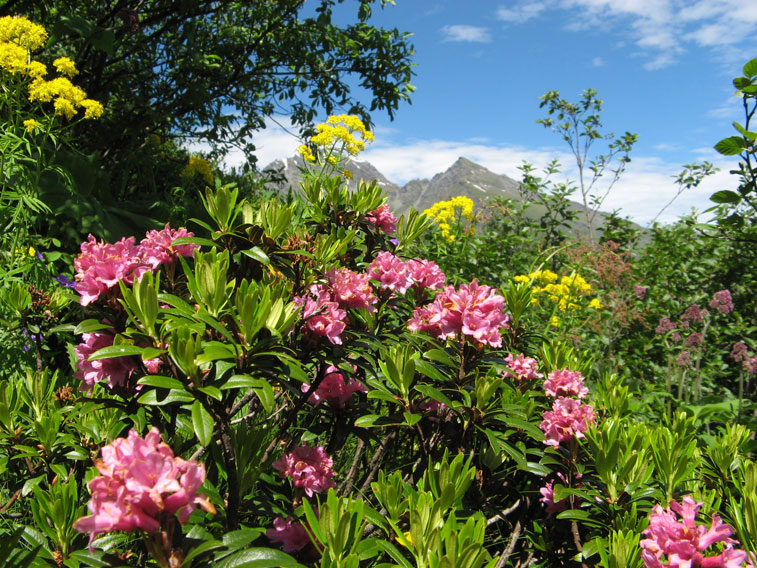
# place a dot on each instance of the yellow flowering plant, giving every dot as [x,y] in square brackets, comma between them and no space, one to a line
[37,107]
[563,299]
[454,217]
[336,141]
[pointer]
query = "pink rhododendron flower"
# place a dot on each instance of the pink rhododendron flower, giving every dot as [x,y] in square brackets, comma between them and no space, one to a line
[426,274]
[334,388]
[474,311]
[548,496]
[100,266]
[349,289]
[323,318]
[524,368]
[157,246]
[568,419]
[140,482]
[292,536]
[675,540]
[434,408]
[114,371]
[383,219]
[390,272]
[309,468]
[565,382]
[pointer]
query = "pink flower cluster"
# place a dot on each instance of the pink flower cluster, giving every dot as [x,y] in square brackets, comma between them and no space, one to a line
[141,481]
[474,311]
[694,314]
[675,540]
[383,219]
[740,354]
[565,382]
[548,495]
[115,370]
[722,302]
[101,265]
[292,536]
[323,318]
[664,326]
[640,291]
[334,388]
[349,289]
[399,276]
[524,368]
[568,419]
[309,468]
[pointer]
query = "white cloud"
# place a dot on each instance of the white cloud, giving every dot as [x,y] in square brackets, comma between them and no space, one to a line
[598,62]
[646,186]
[643,190]
[660,29]
[460,32]
[522,12]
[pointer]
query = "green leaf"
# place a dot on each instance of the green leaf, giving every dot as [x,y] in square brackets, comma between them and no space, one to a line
[257,254]
[116,351]
[151,397]
[259,558]
[725,196]
[161,382]
[750,68]
[731,146]
[90,325]
[202,423]
[193,241]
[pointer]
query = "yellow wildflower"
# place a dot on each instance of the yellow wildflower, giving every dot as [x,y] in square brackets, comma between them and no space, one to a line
[36,69]
[345,130]
[13,58]
[596,304]
[31,125]
[92,109]
[522,278]
[198,166]
[347,174]
[554,321]
[64,106]
[408,540]
[65,66]
[306,153]
[22,32]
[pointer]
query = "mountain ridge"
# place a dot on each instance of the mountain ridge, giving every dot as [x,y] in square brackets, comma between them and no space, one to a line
[463,177]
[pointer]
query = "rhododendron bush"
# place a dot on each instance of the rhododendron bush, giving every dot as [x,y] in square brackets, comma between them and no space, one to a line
[299,383]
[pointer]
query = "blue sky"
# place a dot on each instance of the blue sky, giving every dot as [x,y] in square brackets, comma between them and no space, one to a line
[662,67]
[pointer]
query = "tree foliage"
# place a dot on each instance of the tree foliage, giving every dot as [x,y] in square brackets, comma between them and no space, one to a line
[215,69]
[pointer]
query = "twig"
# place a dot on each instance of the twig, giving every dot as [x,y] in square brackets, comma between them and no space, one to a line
[510,545]
[502,514]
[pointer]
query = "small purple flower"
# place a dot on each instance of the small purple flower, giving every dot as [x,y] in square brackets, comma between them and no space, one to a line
[395,242]
[39,255]
[63,280]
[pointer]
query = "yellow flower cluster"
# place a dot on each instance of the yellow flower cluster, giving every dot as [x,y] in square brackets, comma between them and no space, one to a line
[564,291]
[344,132]
[198,166]
[444,213]
[31,125]
[18,38]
